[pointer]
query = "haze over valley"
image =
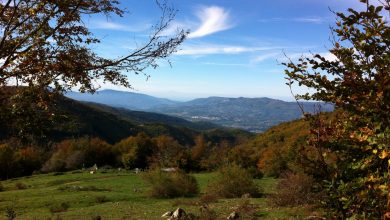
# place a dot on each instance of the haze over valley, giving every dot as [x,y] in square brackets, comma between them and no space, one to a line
[251,114]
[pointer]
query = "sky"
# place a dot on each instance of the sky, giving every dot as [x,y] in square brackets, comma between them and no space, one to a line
[235,47]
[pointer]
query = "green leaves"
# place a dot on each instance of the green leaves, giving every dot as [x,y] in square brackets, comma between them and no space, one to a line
[359,134]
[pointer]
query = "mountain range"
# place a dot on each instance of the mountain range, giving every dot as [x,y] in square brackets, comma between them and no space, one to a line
[128,100]
[251,114]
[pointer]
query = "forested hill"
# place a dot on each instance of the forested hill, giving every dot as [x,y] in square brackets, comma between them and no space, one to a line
[77,119]
[128,100]
[252,114]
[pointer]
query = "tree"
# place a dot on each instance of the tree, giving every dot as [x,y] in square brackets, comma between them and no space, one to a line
[135,151]
[358,83]
[46,46]
[169,153]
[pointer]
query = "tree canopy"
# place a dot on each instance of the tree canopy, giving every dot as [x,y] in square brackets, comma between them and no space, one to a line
[46,47]
[46,43]
[357,81]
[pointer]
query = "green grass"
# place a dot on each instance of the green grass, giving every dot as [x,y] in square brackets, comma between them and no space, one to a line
[114,195]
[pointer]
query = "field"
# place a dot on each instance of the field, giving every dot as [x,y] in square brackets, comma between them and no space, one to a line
[114,195]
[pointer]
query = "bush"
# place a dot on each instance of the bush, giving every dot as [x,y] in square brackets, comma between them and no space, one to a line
[208,198]
[101,199]
[256,173]
[245,209]
[233,182]
[62,207]
[10,213]
[2,188]
[20,186]
[294,190]
[171,184]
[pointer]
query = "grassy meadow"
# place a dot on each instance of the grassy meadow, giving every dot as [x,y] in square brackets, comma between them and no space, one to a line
[115,195]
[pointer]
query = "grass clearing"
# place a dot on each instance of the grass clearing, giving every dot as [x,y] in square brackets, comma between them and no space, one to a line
[115,195]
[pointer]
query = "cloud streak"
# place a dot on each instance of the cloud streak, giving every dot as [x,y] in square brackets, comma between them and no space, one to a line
[264,57]
[108,25]
[213,19]
[220,49]
[312,20]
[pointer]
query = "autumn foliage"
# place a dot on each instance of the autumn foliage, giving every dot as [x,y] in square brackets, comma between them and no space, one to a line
[349,154]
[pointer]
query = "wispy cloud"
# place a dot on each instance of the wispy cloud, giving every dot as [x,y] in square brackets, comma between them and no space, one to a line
[312,19]
[224,64]
[315,20]
[108,25]
[220,49]
[213,19]
[282,57]
[264,57]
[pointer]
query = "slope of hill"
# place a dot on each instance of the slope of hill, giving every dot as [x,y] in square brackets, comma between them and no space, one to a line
[282,147]
[78,119]
[143,118]
[252,114]
[128,100]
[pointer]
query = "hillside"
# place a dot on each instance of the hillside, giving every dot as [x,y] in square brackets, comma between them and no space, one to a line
[77,119]
[252,114]
[128,100]
[113,124]
[110,194]
[280,147]
[143,118]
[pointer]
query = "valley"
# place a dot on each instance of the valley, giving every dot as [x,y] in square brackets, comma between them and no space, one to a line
[251,114]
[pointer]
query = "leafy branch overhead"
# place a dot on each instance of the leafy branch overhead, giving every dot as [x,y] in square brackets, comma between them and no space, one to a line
[46,43]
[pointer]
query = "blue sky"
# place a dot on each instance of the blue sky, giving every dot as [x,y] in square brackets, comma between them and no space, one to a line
[234,49]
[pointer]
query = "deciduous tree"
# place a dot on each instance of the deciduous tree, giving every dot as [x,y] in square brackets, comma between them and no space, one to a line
[358,83]
[46,46]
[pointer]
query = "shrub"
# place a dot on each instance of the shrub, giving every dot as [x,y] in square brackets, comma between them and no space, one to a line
[97,217]
[294,190]
[171,184]
[207,214]
[101,199]
[245,209]
[1,188]
[10,213]
[20,185]
[208,198]
[62,207]
[234,181]
[256,173]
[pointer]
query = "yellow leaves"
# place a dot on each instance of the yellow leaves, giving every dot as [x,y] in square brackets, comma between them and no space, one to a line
[375,151]
[383,154]
[383,187]
[31,11]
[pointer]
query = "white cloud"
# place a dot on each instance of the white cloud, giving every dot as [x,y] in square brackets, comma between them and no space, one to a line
[224,64]
[314,20]
[213,19]
[263,57]
[108,25]
[280,57]
[220,49]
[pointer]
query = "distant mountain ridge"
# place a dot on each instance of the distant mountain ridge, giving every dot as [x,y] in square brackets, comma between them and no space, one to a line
[128,100]
[251,114]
